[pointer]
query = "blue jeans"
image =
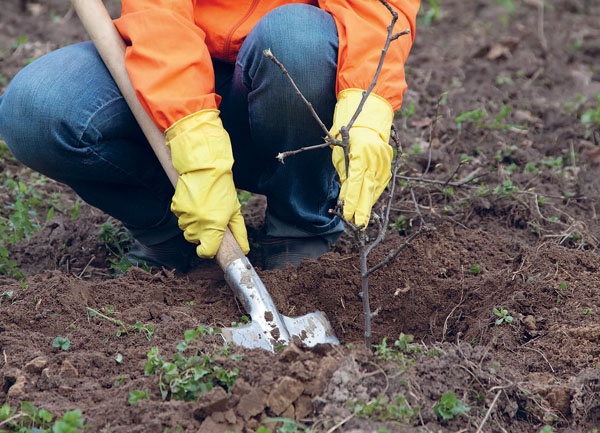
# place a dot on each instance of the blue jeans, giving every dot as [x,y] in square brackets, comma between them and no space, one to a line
[64,116]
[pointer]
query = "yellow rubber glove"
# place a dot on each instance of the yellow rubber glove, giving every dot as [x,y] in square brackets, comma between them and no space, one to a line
[370,155]
[205,199]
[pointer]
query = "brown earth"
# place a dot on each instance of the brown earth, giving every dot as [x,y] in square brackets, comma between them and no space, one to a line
[531,250]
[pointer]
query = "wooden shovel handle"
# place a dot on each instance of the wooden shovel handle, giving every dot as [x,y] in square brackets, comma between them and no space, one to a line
[103,33]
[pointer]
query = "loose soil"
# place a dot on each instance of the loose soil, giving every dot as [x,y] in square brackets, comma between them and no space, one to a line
[529,246]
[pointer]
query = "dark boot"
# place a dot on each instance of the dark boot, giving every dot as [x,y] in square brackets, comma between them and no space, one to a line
[279,252]
[175,253]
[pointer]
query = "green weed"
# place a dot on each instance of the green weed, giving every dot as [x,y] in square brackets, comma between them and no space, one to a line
[591,117]
[188,377]
[510,10]
[244,320]
[8,294]
[480,118]
[505,189]
[430,12]
[244,197]
[287,426]
[406,112]
[502,316]
[146,329]
[475,269]
[383,408]
[136,395]
[402,346]
[26,211]
[30,419]
[117,239]
[62,343]
[402,224]
[576,103]
[450,406]
[20,41]
[23,210]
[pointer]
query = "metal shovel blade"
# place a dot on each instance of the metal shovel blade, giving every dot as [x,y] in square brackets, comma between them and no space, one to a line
[269,329]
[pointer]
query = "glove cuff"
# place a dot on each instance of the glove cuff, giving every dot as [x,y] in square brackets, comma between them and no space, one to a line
[377,113]
[199,141]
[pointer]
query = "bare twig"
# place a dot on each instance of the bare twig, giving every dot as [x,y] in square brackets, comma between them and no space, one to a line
[274,59]
[12,418]
[341,423]
[432,129]
[281,156]
[86,266]
[489,411]
[542,355]
[394,253]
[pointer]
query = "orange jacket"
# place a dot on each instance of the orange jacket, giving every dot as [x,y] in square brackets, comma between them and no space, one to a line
[170,44]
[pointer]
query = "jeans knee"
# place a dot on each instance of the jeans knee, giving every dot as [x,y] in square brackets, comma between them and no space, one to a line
[304,39]
[17,102]
[301,30]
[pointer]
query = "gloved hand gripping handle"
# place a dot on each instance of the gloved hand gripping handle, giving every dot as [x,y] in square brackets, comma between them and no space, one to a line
[99,26]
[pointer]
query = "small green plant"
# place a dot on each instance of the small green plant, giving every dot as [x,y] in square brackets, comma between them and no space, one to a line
[556,163]
[429,13]
[244,320]
[62,343]
[480,118]
[406,112]
[509,8]
[120,380]
[475,269]
[20,41]
[383,408]
[117,239]
[30,419]
[502,316]
[531,167]
[9,267]
[575,104]
[450,406]
[75,210]
[71,422]
[136,395]
[8,294]
[591,117]
[146,329]
[403,345]
[188,377]
[547,429]
[287,426]
[505,189]
[476,117]
[244,197]
[402,224]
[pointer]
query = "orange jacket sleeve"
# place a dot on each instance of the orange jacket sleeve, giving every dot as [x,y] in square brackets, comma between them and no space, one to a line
[362,28]
[165,50]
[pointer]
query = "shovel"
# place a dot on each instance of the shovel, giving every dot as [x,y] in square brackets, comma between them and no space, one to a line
[268,329]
